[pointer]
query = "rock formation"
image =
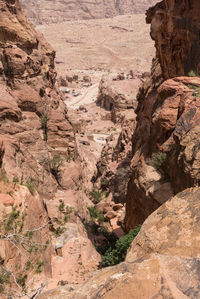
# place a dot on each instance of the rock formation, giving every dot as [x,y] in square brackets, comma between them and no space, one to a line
[59,11]
[36,145]
[43,209]
[175,29]
[165,142]
[162,261]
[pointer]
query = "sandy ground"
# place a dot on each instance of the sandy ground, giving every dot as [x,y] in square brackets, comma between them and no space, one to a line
[89,96]
[119,43]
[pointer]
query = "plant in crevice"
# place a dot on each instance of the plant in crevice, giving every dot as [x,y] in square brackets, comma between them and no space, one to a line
[116,253]
[192,73]
[11,231]
[31,184]
[95,214]
[95,195]
[157,160]
[44,126]
[56,163]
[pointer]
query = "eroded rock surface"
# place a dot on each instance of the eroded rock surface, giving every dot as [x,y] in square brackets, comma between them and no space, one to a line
[163,260]
[37,153]
[165,142]
[175,29]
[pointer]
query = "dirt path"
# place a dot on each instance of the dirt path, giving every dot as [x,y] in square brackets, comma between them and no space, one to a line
[89,96]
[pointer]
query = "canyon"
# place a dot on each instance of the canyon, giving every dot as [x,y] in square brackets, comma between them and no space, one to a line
[107,147]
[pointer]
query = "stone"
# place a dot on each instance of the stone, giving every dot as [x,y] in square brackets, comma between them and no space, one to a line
[110,215]
[117,206]
[7,200]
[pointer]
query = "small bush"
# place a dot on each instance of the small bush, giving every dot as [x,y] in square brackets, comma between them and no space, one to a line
[157,160]
[59,231]
[68,211]
[192,73]
[44,126]
[61,206]
[68,159]
[15,179]
[95,195]
[196,89]
[105,183]
[116,254]
[95,214]
[4,176]
[30,187]
[21,280]
[39,265]
[56,163]
[4,279]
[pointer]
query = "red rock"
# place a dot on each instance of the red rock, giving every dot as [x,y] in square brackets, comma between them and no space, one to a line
[110,215]
[117,206]
[7,200]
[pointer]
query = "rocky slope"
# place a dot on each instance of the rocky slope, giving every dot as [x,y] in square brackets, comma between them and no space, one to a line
[162,262]
[58,11]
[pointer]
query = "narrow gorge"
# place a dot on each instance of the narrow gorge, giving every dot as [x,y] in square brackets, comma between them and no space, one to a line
[102,158]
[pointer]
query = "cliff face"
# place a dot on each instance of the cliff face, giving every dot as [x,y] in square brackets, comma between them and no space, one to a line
[33,115]
[59,11]
[175,28]
[33,129]
[165,142]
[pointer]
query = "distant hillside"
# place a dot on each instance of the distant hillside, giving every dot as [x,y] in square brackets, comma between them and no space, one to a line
[55,11]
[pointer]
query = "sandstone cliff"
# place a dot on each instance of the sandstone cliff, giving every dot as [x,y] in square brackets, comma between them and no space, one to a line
[165,142]
[175,29]
[58,11]
[36,139]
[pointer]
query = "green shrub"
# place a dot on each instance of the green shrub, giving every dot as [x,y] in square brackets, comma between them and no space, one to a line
[68,211]
[30,187]
[196,89]
[21,280]
[15,179]
[4,176]
[44,126]
[56,163]
[39,265]
[68,159]
[157,160]
[116,254]
[192,73]
[105,183]
[95,195]
[59,231]
[95,214]
[61,206]
[4,279]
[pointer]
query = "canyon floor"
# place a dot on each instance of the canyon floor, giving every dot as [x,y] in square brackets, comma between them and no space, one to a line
[94,48]
[119,43]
